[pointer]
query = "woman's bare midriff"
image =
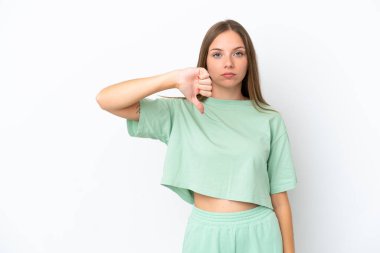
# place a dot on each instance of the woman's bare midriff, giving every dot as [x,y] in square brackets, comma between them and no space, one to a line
[212,204]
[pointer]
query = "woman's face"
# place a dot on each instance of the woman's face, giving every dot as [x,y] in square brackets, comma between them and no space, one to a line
[227,54]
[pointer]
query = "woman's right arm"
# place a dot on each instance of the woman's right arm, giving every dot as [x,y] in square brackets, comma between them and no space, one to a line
[123,99]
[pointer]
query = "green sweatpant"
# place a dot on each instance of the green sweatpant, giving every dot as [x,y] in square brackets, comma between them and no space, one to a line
[250,231]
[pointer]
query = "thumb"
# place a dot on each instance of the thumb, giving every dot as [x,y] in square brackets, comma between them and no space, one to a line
[198,104]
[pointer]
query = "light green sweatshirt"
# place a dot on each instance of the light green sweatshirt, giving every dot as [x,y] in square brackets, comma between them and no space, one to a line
[233,151]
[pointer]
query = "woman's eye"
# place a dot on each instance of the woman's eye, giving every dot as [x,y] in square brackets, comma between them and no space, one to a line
[218,54]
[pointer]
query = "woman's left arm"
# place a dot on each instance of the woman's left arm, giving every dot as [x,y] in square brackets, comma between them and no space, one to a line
[283,212]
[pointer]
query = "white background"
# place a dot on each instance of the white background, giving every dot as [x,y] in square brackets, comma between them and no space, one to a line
[73,180]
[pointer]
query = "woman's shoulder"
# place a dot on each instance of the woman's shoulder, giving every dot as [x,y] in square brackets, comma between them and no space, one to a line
[268,110]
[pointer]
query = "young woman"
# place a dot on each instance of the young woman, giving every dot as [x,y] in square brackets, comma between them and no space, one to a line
[228,152]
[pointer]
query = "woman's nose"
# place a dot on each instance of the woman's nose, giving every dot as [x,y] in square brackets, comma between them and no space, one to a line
[229,62]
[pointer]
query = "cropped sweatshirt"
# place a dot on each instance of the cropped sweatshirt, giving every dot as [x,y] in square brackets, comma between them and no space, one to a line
[233,151]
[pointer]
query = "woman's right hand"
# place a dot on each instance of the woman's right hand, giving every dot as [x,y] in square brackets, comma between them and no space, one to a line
[192,81]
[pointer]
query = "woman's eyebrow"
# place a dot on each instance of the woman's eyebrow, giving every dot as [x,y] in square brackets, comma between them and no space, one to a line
[222,49]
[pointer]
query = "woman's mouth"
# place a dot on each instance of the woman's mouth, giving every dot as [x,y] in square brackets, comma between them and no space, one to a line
[228,75]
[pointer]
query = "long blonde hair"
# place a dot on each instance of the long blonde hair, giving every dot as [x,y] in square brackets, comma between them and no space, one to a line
[251,83]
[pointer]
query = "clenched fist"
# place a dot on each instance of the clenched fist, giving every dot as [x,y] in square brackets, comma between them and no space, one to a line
[192,81]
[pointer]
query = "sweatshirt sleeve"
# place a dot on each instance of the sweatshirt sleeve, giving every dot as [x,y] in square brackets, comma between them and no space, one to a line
[281,171]
[155,121]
